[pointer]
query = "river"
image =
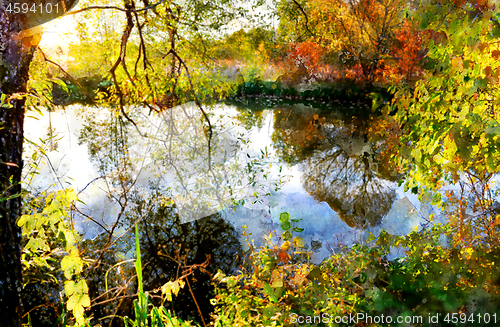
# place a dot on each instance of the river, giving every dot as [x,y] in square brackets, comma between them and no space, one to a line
[325,168]
[326,165]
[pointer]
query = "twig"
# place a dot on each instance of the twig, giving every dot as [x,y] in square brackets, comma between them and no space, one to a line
[69,75]
[305,16]
[210,132]
[91,219]
[114,8]
[195,302]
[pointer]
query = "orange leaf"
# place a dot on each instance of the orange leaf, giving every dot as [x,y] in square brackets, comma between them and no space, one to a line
[488,70]
[283,257]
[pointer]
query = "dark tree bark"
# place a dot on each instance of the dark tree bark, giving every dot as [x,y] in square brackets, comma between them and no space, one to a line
[15,56]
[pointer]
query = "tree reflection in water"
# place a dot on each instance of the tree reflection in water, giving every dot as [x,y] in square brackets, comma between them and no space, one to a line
[163,240]
[344,164]
[344,161]
[171,237]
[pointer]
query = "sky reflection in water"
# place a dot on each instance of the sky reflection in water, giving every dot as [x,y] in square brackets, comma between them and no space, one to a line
[320,167]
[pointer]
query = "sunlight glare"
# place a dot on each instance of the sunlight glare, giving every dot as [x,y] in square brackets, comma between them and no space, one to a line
[58,35]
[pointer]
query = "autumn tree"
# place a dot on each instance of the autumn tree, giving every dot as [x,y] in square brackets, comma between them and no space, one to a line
[365,35]
[450,119]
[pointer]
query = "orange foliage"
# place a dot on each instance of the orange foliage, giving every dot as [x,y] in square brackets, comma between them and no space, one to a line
[407,53]
[305,58]
[370,39]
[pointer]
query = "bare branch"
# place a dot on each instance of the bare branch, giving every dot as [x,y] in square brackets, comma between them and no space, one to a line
[198,103]
[305,16]
[115,8]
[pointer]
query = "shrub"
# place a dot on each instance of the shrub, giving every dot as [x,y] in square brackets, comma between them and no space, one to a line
[435,280]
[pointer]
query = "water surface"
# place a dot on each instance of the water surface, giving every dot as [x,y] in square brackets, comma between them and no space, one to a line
[326,166]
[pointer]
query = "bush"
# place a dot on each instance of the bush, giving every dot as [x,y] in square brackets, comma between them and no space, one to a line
[454,284]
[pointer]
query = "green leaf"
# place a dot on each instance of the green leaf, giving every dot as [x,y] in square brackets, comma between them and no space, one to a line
[495,32]
[138,269]
[284,217]
[492,163]
[436,198]
[270,292]
[286,225]
[424,20]
[316,274]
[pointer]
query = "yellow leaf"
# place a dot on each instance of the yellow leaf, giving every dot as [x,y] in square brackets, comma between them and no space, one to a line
[71,265]
[285,246]
[450,148]
[298,242]
[179,284]
[172,288]
[277,280]
[416,154]
[457,63]
[299,280]
[85,300]
[220,274]
[69,287]
[23,220]
[82,286]
[78,312]
[72,302]
[496,221]
[277,283]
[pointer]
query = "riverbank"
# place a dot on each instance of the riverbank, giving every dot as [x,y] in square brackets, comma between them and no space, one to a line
[341,91]
[84,91]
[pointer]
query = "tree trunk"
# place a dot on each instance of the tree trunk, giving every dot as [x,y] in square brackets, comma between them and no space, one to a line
[15,56]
